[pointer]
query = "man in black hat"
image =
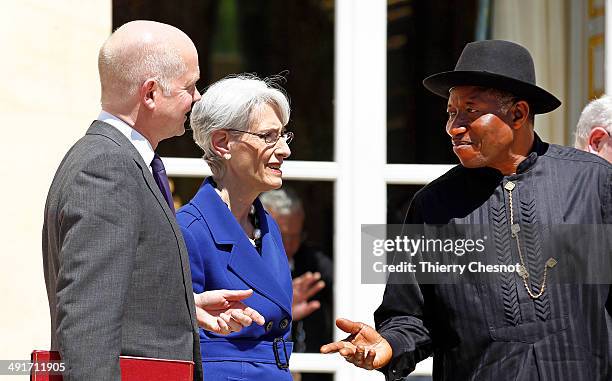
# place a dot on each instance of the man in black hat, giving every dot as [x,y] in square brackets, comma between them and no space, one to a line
[517,327]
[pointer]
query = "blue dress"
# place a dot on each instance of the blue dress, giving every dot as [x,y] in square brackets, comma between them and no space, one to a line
[222,257]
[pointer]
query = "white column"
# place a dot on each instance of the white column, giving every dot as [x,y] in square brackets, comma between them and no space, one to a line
[360,152]
[48,97]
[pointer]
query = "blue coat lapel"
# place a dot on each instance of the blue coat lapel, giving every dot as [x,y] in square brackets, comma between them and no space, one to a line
[260,272]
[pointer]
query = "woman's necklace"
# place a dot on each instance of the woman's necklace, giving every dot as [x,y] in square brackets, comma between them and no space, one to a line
[253,219]
[256,239]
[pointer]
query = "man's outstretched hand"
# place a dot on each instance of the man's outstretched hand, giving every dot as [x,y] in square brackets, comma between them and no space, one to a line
[364,347]
[222,311]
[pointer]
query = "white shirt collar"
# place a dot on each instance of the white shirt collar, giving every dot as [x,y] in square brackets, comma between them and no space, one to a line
[139,142]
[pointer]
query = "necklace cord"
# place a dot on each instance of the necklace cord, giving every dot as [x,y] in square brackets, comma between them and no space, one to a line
[522,269]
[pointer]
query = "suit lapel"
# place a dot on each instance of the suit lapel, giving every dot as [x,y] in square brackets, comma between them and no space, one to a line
[101,128]
[254,269]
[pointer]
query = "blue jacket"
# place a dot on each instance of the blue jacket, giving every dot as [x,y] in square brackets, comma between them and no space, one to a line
[222,257]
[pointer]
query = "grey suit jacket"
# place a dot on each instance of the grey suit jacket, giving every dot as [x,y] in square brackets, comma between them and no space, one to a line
[116,266]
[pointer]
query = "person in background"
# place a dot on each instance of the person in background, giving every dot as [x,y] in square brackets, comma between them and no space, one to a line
[115,263]
[312,273]
[233,242]
[594,129]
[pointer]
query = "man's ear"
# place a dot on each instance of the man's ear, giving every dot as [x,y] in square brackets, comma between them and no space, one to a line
[519,114]
[597,136]
[148,93]
[220,140]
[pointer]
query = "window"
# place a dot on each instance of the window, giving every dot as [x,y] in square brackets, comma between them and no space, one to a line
[417,47]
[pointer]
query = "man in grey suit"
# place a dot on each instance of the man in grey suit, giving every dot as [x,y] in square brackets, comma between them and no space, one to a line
[116,267]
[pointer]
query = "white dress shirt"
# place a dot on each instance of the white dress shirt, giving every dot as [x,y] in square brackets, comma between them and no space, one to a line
[139,142]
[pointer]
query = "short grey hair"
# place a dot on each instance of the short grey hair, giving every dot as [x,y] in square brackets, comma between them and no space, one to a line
[125,66]
[283,201]
[233,103]
[598,113]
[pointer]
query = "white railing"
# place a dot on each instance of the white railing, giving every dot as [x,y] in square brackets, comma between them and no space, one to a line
[413,174]
[316,363]
[292,169]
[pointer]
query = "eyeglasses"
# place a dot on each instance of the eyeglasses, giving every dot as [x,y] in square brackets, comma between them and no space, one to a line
[271,137]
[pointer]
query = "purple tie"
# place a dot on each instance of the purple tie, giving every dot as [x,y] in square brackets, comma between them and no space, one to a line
[159,174]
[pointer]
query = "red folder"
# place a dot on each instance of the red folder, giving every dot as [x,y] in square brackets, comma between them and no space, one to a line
[132,368]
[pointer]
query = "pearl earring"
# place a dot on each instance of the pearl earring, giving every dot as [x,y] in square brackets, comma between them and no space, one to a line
[227,156]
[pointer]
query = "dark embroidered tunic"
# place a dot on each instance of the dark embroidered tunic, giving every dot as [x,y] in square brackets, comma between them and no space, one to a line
[496,331]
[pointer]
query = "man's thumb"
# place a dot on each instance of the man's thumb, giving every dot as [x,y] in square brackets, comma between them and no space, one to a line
[348,326]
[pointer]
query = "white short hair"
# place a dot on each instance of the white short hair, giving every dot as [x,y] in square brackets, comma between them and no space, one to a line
[125,66]
[598,113]
[282,201]
[231,103]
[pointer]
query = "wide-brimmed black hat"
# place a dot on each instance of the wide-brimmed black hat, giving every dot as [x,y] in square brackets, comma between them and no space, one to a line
[496,64]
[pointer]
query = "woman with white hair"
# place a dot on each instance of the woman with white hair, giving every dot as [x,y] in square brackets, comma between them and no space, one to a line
[233,242]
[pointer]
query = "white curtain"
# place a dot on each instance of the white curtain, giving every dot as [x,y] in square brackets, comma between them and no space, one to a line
[542,27]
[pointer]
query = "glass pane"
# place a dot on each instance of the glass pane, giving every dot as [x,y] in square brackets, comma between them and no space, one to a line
[266,37]
[398,201]
[423,38]
[183,189]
